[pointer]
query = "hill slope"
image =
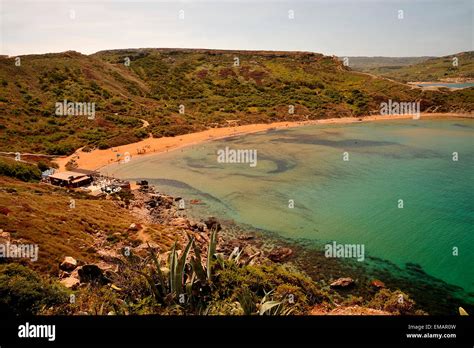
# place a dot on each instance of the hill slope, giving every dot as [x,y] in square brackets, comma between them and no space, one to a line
[427,69]
[382,65]
[212,89]
[96,233]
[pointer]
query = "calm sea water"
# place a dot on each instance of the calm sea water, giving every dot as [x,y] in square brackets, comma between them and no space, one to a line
[449,85]
[354,201]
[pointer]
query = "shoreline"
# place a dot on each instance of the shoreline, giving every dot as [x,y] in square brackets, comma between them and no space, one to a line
[436,85]
[304,257]
[307,257]
[97,159]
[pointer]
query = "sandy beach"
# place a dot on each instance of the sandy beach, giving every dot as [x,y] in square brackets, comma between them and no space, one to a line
[97,159]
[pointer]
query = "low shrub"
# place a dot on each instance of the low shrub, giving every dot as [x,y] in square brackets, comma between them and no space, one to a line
[24,292]
[19,170]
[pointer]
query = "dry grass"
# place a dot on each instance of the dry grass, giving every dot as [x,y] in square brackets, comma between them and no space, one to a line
[40,214]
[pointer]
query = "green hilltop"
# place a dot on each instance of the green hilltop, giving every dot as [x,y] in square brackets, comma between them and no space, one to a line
[207,83]
[427,69]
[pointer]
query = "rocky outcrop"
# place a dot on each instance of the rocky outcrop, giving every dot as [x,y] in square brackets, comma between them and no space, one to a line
[92,274]
[198,226]
[213,224]
[342,283]
[134,227]
[69,264]
[70,282]
[377,284]
[280,254]
[4,237]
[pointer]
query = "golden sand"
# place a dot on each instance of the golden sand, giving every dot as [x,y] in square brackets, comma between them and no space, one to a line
[97,159]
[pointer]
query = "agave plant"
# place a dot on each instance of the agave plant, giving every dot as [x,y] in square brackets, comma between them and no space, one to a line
[205,275]
[245,298]
[166,290]
[210,252]
[271,307]
[235,255]
[159,273]
[176,276]
[267,306]
[234,258]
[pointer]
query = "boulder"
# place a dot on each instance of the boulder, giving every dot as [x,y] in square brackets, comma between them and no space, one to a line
[377,283]
[228,246]
[134,227]
[212,223]
[246,237]
[280,254]
[70,282]
[164,201]
[342,283]
[201,227]
[4,237]
[151,203]
[92,274]
[68,264]
[198,226]
[63,275]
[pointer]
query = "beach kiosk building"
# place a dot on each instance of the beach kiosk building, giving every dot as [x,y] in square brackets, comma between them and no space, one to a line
[71,179]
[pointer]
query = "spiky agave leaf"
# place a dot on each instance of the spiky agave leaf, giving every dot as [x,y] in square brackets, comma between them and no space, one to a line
[237,257]
[196,263]
[234,253]
[244,296]
[267,306]
[211,250]
[173,267]
[198,269]
[101,309]
[151,283]
[158,269]
[251,257]
[285,310]
[220,259]
[270,307]
[188,287]
[179,274]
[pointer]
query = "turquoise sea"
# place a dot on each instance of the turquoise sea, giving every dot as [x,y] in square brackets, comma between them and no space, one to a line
[449,85]
[355,201]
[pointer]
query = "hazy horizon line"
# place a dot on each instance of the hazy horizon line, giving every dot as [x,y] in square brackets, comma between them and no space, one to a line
[233,50]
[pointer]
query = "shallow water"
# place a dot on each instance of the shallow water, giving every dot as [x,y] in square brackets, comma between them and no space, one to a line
[449,85]
[354,201]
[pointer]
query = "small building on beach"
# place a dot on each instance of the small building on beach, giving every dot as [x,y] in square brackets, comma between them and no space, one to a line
[71,179]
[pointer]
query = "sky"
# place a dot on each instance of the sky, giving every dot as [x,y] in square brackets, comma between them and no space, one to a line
[395,28]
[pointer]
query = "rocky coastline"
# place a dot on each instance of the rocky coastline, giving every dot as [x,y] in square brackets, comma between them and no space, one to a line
[151,207]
